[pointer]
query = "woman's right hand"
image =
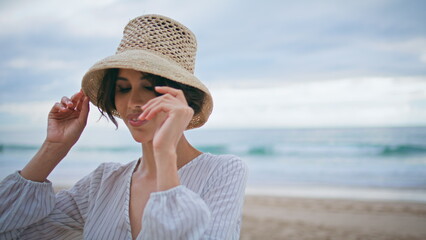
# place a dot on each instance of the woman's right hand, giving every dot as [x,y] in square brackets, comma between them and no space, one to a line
[67,120]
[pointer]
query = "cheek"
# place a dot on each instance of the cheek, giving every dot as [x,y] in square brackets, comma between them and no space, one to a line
[119,104]
[160,117]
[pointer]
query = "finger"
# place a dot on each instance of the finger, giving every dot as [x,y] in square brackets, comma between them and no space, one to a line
[162,98]
[156,109]
[146,108]
[56,107]
[80,102]
[66,102]
[168,90]
[85,108]
[59,108]
[77,97]
[79,105]
[154,102]
[172,91]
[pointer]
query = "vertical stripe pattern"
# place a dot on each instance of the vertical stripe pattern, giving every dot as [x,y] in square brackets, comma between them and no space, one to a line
[207,204]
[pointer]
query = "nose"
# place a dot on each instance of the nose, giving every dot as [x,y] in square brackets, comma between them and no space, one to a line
[136,100]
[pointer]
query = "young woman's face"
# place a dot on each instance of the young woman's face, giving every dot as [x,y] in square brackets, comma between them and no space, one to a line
[132,91]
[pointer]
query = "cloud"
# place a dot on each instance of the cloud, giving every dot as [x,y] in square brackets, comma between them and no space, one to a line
[24,115]
[423,57]
[95,18]
[365,102]
[297,40]
[343,102]
[315,40]
[26,16]
[40,64]
[32,115]
[294,56]
[415,46]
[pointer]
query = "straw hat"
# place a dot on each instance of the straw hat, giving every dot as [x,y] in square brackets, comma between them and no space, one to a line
[157,45]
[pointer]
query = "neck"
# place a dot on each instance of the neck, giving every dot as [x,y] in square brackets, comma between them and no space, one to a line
[185,152]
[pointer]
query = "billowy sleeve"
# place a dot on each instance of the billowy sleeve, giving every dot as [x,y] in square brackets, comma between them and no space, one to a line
[31,210]
[179,213]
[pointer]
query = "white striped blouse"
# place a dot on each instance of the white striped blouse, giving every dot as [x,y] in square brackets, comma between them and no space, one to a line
[207,204]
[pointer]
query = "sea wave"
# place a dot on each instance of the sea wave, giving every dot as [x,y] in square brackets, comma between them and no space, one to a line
[318,150]
[17,147]
[294,150]
[25,147]
[403,150]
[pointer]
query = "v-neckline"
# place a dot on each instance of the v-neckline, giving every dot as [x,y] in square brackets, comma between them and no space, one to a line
[129,181]
[127,203]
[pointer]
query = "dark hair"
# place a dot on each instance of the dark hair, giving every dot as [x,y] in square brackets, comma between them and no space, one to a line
[106,93]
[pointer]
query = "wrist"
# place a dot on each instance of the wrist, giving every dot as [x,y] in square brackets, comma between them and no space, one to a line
[167,176]
[165,156]
[55,149]
[44,161]
[165,160]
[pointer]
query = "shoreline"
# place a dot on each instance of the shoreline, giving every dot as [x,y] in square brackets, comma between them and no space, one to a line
[278,217]
[348,193]
[284,213]
[322,192]
[327,192]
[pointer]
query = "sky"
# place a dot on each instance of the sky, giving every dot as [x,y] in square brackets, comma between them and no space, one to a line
[268,64]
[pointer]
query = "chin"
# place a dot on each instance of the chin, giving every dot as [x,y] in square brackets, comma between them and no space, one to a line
[141,138]
[141,135]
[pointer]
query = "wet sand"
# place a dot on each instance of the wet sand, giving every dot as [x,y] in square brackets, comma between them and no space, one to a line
[277,217]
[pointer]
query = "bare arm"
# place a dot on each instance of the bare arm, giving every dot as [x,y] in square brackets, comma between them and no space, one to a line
[66,122]
[177,115]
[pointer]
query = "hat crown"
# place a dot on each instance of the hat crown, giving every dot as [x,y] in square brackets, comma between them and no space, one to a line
[162,36]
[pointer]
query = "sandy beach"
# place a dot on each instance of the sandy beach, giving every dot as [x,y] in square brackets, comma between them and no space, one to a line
[308,218]
[276,217]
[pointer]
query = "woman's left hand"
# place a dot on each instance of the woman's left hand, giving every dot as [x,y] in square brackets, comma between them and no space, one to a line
[177,115]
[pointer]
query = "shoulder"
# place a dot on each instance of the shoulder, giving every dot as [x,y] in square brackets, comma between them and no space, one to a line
[209,171]
[226,161]
[114,170]
[110,167]
[105,171]
[209,163]
[226,165]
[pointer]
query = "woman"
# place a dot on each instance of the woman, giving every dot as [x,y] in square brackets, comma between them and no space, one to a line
[173,191]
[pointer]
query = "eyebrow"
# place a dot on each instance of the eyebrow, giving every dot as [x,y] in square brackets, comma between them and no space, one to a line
[143,77]
[122,78]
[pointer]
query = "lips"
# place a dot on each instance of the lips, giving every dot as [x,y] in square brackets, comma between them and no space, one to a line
[133,120]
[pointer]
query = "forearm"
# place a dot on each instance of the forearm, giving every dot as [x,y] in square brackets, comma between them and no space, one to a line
[45,160]
[23,203]
[167,176]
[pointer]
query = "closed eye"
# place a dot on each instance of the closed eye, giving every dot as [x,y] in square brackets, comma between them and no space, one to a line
[149,88]
[123,89]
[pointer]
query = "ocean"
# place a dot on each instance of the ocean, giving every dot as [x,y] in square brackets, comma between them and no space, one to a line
[387,163]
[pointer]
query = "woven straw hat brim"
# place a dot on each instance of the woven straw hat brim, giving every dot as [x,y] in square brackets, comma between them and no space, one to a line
[149,62]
